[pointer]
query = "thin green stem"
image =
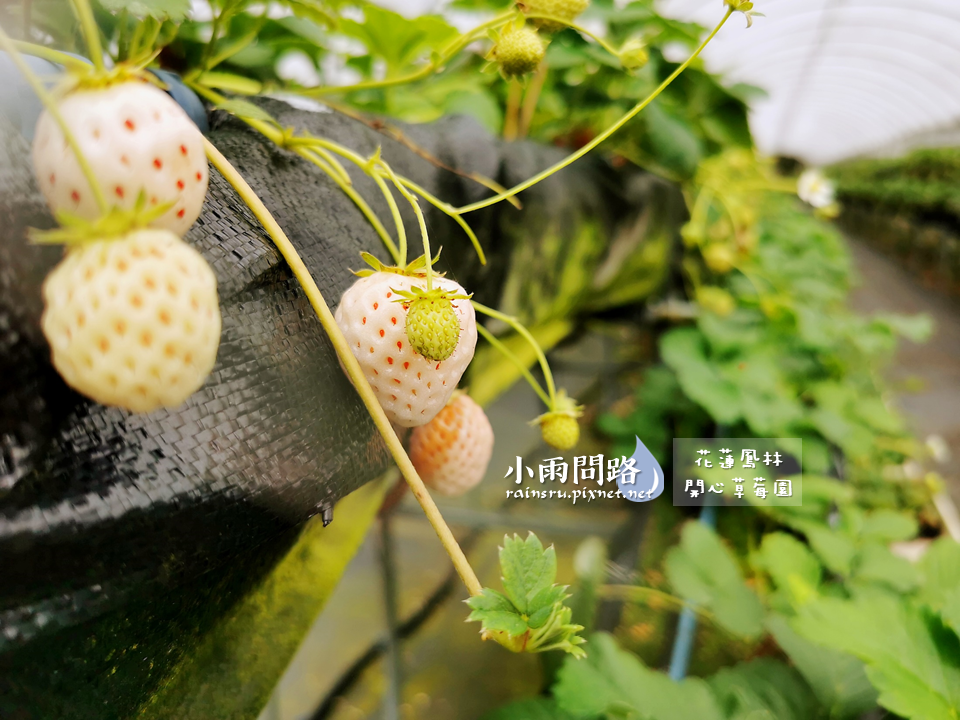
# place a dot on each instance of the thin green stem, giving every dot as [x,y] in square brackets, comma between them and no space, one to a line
[503,349]
[50,105]
[351,366]
[451,212]
[433,66]
[395,214]
[237,45]
[541,358]
[428,269]
[579,28]
[356,197]
[573,157]
[54,56]
[91,33]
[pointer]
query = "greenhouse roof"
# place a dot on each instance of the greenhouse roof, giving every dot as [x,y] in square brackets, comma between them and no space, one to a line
[843,77]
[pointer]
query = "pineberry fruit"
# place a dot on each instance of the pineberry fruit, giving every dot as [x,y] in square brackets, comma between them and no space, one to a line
[137,140]
[452,451]
[134,321]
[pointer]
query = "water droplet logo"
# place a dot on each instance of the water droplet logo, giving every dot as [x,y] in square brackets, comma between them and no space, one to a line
[640,477]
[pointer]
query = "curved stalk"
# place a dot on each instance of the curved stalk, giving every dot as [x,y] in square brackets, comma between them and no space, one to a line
[352,367]
[541,358]
[451,213]
[577,155]
[54,56]
[502,348]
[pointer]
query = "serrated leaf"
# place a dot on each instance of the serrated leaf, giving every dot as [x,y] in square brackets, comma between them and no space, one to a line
[546,597]
[490,600]
[613,680]
[837,679]
[837,551]
[683,351]
[703,570]
[397,39]
[529,709]
[788,561]
[914,678]
[764,689]
[499,621]
[889,526]
[878,564]
[941,583]
[527,569]
[160,9]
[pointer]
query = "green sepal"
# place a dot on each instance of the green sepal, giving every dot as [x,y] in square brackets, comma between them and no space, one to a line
[415,268]
[115,225]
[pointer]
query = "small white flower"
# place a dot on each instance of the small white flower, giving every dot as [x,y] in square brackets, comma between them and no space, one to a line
[815,189]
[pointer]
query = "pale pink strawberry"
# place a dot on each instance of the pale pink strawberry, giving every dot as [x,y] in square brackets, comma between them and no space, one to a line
[452,451]
[411,388]
[136,139]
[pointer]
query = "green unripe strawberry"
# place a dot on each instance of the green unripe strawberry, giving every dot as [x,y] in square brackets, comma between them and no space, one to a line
[559,427]
[560,430]
[432,328]
[561,9]
[518,51]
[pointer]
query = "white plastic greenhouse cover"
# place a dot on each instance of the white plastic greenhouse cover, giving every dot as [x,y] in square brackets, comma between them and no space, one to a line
[843,77]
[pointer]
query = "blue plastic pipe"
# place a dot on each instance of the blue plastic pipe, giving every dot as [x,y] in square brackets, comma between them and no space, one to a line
[687,622]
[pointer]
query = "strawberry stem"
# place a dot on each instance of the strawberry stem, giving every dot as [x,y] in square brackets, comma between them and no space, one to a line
[91,33]
[541,358]
[50,105]
[518,363]
[578,154]
[354,371]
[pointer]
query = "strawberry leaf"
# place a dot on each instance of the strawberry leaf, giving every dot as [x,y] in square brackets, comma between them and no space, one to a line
[491,600]
[527,569]
[158,9]
[500,621]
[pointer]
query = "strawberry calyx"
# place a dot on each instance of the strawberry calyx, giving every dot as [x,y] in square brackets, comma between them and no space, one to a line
[433,329]
[86,77]
[115,225]
[416,268]
[564,406]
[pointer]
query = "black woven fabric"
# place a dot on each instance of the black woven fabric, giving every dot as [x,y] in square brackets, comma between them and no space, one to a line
[139,529]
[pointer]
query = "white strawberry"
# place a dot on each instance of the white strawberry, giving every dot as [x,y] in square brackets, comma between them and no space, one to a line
[133,321]
[410,388]
[452,451]
[136,140]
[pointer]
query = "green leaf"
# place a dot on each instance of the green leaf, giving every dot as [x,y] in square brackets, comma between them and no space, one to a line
[499,621]
[159,9]
[941,584]
[764,689]
[878,564]
[527,569]
[490,600]
[702,569]
[312,10]
[889,526]
[530,709]
[397,39]
[612,680]
[836,550]
[789,562]
[904,662]
[837,679]
[683,351]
